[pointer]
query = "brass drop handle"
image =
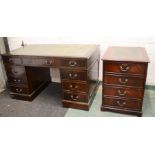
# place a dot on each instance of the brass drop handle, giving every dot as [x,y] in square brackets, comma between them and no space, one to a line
[73,86]
[15,72]
[120,104]
[73,76]
[121,93]
[123,82]
[72,63]
[74,98]
[16,80]
[49,62]
[124,67]
[18,90]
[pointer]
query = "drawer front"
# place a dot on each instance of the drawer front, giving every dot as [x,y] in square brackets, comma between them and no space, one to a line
[12,60]
[123,92]
[39,62]
[73,63]
[124,80]
[124,67]
[77,97]
[73,86]
[15,71]
[74,75]
[17,80]
[19,90]
[129,104]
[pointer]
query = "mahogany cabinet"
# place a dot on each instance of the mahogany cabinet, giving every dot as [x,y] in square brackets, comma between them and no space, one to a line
[124,76]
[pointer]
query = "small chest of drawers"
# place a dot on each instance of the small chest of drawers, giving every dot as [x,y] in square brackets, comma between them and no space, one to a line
[124,76]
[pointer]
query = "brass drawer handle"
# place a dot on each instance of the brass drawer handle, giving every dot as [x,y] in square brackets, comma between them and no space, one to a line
[72,63]
[19,90]
[74,98]
[124,67]
[73,76]
[10,60]
[123,82]
[49,62]
[17,80]
[73,86]
[120,104]
[121,93]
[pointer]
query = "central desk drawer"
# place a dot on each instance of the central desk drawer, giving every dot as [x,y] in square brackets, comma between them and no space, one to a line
[74,75]
[78,97]
[124,80]
[74,86]
[122,103]
[125,67]
[123,92]
[39,62]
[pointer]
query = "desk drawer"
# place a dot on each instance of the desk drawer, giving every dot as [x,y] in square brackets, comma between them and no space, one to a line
[77,97]
[125,67]
[122,103]
[39,62]
[19,90]
[17,80]
[124,80]
[74,86]
[15,71]
[73,63]
[74,75]
[13,60]
[123,92]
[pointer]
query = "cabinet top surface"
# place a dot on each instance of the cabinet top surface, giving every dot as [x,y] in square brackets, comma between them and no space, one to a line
[118,53]
[57,50]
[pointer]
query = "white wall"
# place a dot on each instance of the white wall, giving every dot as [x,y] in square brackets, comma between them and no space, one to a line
[148,43]
[2,74]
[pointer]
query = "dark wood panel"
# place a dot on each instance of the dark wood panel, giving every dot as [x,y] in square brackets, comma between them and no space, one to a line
[125,67]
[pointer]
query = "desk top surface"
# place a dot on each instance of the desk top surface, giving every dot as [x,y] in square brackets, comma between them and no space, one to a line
[118,53]
[56,50]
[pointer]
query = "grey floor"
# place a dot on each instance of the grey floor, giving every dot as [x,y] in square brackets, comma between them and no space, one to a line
[46,104]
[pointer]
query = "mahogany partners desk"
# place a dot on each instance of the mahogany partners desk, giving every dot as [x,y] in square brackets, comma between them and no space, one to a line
[27,70]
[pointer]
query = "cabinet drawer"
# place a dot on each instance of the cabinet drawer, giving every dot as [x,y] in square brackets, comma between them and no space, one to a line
[39,62]
[12,60]
[73,86]
[124,67]
[19,90]
[77,97]
[124,80]
[15,71]
[122,103]
[73,63]
[123,92]
[74,75]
